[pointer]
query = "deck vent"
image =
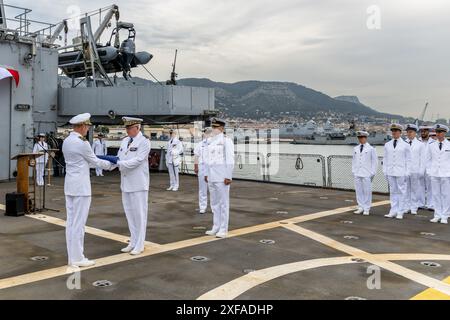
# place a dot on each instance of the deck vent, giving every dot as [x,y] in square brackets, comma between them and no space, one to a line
[39,258]
[199,259]
[355,298]
[351,237]
[430,264]
[267,241]
[430,234]
[102,283]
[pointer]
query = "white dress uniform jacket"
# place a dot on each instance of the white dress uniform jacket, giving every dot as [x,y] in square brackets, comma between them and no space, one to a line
[79,158]
[135,183]
[364,167]
[220,165]
[40,147]
[99,147]
[77,188]
[438,156]
[396,160]
[365,163]
[396,168]
[174,151]
[133,164]
[220,161]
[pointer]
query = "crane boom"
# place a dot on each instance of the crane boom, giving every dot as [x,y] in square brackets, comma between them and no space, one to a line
[422,115]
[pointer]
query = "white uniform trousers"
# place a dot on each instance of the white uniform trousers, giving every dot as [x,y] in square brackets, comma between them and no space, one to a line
[220,205]
[77,213]
[40,167]
[202,193]
[414,192]
[135,205]
[428,194]
[397,188]
[441,196]
[363,188]
[174,175]
[98,171]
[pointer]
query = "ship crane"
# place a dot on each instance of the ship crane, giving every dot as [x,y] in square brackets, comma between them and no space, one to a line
[173,74]
[422,115]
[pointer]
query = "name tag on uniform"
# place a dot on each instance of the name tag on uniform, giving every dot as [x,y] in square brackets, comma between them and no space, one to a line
[134,149]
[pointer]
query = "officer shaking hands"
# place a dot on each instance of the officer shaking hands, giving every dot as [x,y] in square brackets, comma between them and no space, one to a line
[135,182]
[220,165]
[79,158]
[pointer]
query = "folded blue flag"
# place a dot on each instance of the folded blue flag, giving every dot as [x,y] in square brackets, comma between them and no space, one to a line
[112,159]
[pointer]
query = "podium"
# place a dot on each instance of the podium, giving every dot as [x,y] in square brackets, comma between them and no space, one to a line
[25,161]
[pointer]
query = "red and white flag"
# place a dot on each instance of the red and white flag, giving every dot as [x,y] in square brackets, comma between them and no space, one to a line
[8,72]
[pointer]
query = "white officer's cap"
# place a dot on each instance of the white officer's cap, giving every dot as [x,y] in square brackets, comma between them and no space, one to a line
[84,118]
[130,121]
[396,126]
[362,134]
[412,127]
[440,128]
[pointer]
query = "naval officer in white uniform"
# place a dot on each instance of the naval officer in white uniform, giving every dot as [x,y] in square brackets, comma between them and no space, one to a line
[173,160]
[41,147]
[135,182]
[439,170]
[427,197]
[220,165]
[79,158]
[200,158]
[397,157]
[99,148]
[364,168]
[414,182]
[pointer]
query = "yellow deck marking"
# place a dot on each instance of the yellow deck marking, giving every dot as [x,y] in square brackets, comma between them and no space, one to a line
[90,230]
[432,294]
[2,207]
[152,250]
[393,267]
[236,287]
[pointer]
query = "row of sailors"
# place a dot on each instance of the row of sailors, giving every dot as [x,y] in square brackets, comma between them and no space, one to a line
[417,170]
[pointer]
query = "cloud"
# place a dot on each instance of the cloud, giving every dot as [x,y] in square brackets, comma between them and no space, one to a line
[324,44]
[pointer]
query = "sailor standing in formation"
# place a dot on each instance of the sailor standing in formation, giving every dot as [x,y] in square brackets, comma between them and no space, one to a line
[99,148]
[427,198]
[438,156]
[364,168]
[135,182]
[414,182]
[40,147]
[220,165]
[200,155]
[173,160]
[79,157]
[397,157]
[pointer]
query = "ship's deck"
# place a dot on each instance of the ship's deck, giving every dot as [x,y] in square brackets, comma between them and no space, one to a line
[311,258]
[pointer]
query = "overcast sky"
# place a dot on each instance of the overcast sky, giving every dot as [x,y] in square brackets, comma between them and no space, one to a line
[322,44]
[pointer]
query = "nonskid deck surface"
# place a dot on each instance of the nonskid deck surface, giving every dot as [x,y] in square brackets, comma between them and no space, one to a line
[285,242]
